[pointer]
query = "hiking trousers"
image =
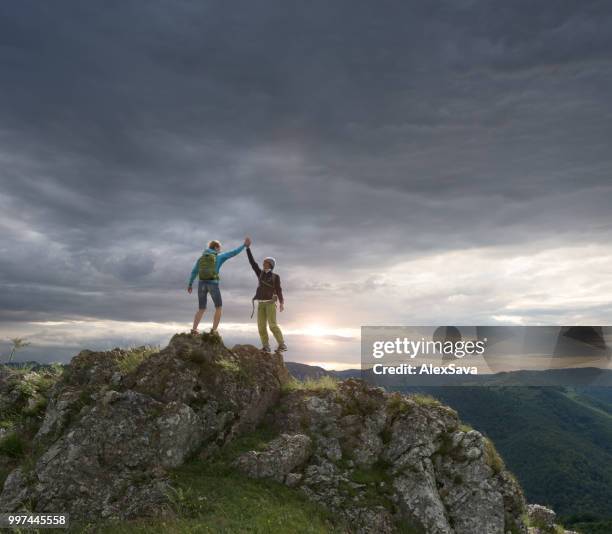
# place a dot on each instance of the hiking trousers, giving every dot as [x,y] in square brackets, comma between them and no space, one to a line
[266,316]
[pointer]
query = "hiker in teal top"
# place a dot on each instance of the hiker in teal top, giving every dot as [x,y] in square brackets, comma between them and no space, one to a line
[207,268]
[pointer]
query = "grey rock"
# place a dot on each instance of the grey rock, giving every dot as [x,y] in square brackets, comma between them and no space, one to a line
[375,520]
[473,454]
[427,473]
[418,498]
[280,457]
[114,451]
[293,479]
[329,447]
[14,491]
[61,408]
[541,518]
[108,437]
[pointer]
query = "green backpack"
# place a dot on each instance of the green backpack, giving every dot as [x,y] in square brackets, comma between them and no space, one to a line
[207,264]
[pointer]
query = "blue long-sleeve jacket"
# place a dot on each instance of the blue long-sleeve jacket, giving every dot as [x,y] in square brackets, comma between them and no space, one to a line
[222,257]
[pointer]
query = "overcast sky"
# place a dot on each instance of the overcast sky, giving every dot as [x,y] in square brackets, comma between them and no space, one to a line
[433,162]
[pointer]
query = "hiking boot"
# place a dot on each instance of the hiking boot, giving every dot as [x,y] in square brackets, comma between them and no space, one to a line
[281,348]
[266,348]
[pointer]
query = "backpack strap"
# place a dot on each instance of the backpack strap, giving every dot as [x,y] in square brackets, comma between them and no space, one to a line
[263,282]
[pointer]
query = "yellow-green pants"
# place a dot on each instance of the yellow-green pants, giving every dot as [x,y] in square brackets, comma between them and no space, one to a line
[266,315]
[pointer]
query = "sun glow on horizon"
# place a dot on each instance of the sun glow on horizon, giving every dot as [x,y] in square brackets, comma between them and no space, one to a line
[317,330]
[334,366]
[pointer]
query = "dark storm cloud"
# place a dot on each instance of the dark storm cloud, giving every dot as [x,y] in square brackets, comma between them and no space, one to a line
[340,134]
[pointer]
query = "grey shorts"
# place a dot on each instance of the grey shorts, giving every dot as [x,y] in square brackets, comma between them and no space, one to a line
[204,288]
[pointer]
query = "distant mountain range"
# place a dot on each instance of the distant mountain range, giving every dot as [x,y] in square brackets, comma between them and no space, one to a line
[584,376]
[557,439]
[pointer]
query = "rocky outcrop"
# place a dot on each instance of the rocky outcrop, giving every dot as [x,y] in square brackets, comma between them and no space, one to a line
[110,433]
[382,460]
[115,425]
[543,520]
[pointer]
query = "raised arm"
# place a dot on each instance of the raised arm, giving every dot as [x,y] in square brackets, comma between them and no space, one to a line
[194,272]
[224,256]
[253,263]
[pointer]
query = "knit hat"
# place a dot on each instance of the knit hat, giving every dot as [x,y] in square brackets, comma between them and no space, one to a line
[270,260]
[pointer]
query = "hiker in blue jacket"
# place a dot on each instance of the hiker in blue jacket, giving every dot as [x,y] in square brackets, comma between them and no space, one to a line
[207,268]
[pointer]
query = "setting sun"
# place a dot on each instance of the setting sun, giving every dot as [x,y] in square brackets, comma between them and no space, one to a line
[316,330]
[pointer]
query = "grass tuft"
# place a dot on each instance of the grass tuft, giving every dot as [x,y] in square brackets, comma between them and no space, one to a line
[134,357]
[397,405]
[424,400]
[492,457]
[33,383]
[312,384]
[229,366]
[12,445]
[38,409]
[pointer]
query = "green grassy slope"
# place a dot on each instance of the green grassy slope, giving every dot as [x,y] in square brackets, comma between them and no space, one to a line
[208,496]
[600,397]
